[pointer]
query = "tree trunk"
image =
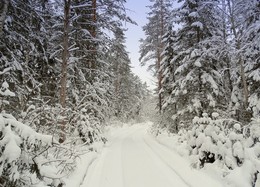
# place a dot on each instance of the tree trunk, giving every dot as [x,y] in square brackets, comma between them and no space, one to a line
[117,81]
[159,59]
[245,86]
[94,18]
[224,24]
[65,58]
[3,11]
[94,34]
[228,85]
[240,61]
[159,80]
[227,77]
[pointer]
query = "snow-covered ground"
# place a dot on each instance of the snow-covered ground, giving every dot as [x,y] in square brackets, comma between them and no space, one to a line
[133,158]
[238,177]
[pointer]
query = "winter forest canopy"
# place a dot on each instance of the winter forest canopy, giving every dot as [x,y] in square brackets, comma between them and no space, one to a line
[65,74]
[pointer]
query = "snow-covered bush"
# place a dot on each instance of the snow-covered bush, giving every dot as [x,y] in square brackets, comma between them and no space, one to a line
[82,124]
[29,158]
[86,128]
[209,142]
[5,94]
[20,150]
[226,142]
[224,147]
[42,117]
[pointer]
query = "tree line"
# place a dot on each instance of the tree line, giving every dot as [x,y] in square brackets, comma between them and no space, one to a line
[205,55]
[68,55]
[64,71]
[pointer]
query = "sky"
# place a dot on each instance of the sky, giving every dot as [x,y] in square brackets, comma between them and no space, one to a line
[137,11]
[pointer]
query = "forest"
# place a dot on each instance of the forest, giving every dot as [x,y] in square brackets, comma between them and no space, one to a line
[66,76]
[205,55]
[64,72]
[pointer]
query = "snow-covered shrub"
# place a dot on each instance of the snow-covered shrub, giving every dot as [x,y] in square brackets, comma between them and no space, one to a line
[42,117]
[86,128]
[223,146]
[202,139]
[21,148]
[29,158]
[5,93]
[233,146]
[210,141]
[82,125]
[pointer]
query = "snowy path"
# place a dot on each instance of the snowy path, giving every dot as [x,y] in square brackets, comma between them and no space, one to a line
[134,159]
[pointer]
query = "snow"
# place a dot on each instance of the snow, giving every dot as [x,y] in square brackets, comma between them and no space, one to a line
[83,164]
[5,70]
[255,75]
[237,126]
[5,90]
[12,151]
[17,142]
[254,103]
[198,24]
[215,115]
[240,176]
[81,6]
[194,14]
[208,78]
[235,155]
[197,63]
[133,158]
[196,103]
[238,150]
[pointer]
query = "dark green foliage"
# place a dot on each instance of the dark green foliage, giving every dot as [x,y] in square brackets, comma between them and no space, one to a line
[30,77]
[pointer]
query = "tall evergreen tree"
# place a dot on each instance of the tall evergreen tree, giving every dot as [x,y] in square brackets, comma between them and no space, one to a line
[197,86]
[152,46]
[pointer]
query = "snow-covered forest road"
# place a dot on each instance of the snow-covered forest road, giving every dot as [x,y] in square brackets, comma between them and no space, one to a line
[133,158]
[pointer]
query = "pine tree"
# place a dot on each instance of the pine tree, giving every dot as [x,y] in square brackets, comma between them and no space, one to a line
[152,46]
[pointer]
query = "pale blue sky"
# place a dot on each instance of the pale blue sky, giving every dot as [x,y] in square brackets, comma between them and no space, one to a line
[134,34]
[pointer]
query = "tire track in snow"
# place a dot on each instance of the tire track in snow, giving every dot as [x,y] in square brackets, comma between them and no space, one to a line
[180,165]
[154,157]
[87,169]
[107,170]
[149,166]
[123,152]
[135,159]
[165,162]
